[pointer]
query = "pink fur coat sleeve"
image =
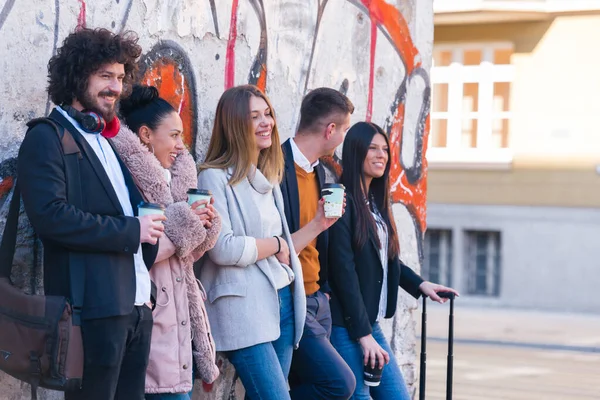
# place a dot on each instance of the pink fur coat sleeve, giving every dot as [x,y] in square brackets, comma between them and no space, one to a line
[212,234]
[184,228]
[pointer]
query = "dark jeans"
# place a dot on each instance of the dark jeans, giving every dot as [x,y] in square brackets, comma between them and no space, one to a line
[115,356]
[318,371]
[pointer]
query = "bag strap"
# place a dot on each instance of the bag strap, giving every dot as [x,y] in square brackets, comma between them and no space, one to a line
[9,237]
[72,155]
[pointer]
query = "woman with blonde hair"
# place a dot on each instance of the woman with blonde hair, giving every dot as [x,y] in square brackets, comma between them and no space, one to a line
[164,170]
[256,302]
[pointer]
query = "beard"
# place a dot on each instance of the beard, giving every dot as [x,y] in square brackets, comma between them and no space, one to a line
[90,103]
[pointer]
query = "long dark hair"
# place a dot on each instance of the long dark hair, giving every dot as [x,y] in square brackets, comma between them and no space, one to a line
[356,146]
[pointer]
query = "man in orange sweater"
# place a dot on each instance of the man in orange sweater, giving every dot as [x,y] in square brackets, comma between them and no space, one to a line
[318,371]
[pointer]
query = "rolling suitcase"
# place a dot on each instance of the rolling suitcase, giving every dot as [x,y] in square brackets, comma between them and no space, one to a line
[423,364]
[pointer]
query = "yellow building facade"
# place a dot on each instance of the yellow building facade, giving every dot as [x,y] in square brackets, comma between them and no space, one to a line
[514,152]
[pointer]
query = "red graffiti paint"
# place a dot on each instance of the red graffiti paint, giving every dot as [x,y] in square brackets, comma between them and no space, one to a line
[5,185]
[390,18]
[259,69]
[413,196]
[383,16]
[173,87]
[81,19]
[371,69]
[230,55]
[262,79]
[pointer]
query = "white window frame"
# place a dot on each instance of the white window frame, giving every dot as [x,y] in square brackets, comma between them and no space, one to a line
[445,267]
[455,76]
[493,275]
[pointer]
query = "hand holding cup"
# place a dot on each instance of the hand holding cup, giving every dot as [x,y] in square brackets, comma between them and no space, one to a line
[205,211]
[374,359]
[151,217]
[332,205]
[201,202]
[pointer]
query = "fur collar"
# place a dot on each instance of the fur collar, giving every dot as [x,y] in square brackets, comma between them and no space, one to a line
[149,175]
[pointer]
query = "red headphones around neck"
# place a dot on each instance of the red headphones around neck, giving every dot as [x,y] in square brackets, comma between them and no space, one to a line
[92,122]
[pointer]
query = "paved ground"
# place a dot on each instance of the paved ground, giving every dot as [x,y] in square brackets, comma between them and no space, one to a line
[515,355]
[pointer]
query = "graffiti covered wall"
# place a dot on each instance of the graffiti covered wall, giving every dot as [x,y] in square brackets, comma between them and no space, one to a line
[378,52]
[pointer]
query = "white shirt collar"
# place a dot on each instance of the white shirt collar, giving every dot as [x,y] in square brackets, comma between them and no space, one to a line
[109,161]
[168,175]
[300,158]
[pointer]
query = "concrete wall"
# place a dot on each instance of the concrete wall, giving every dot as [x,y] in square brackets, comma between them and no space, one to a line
[376,51]
[549,255]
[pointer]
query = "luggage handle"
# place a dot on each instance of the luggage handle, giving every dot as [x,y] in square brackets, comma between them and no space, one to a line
[450,358]
[446,295]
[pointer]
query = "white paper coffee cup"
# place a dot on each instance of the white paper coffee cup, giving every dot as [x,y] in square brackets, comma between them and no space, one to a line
[334,199]
[150,209]
[195,195]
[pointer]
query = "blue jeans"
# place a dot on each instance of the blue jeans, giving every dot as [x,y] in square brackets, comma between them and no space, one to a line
[264,368]
[318,371]
[391,387]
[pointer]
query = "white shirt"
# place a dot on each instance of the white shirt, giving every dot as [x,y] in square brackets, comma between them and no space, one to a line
[300,158]
[272,225]
[111,165]
[383,255]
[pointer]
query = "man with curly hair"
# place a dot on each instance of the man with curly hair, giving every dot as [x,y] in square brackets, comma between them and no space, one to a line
[86,78]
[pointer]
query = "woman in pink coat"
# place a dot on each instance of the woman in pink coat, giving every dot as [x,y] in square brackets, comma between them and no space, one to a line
[164,170]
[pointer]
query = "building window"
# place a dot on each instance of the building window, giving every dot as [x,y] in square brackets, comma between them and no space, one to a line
[437,265]
[470,110]
[483,263]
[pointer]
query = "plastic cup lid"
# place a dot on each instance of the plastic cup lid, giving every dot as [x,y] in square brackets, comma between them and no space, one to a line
[334,186]
[154,206]
[203,192]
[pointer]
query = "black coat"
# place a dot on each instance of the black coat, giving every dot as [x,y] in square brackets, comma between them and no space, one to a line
[356,276]
[291,201]
[99,230]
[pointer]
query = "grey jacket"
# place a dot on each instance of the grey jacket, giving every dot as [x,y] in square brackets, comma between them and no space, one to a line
[243,304]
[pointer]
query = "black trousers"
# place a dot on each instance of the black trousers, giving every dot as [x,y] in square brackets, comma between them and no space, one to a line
[318,371]
[115,356]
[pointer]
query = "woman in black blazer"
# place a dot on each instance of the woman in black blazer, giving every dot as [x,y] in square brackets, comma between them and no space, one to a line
[365,270]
